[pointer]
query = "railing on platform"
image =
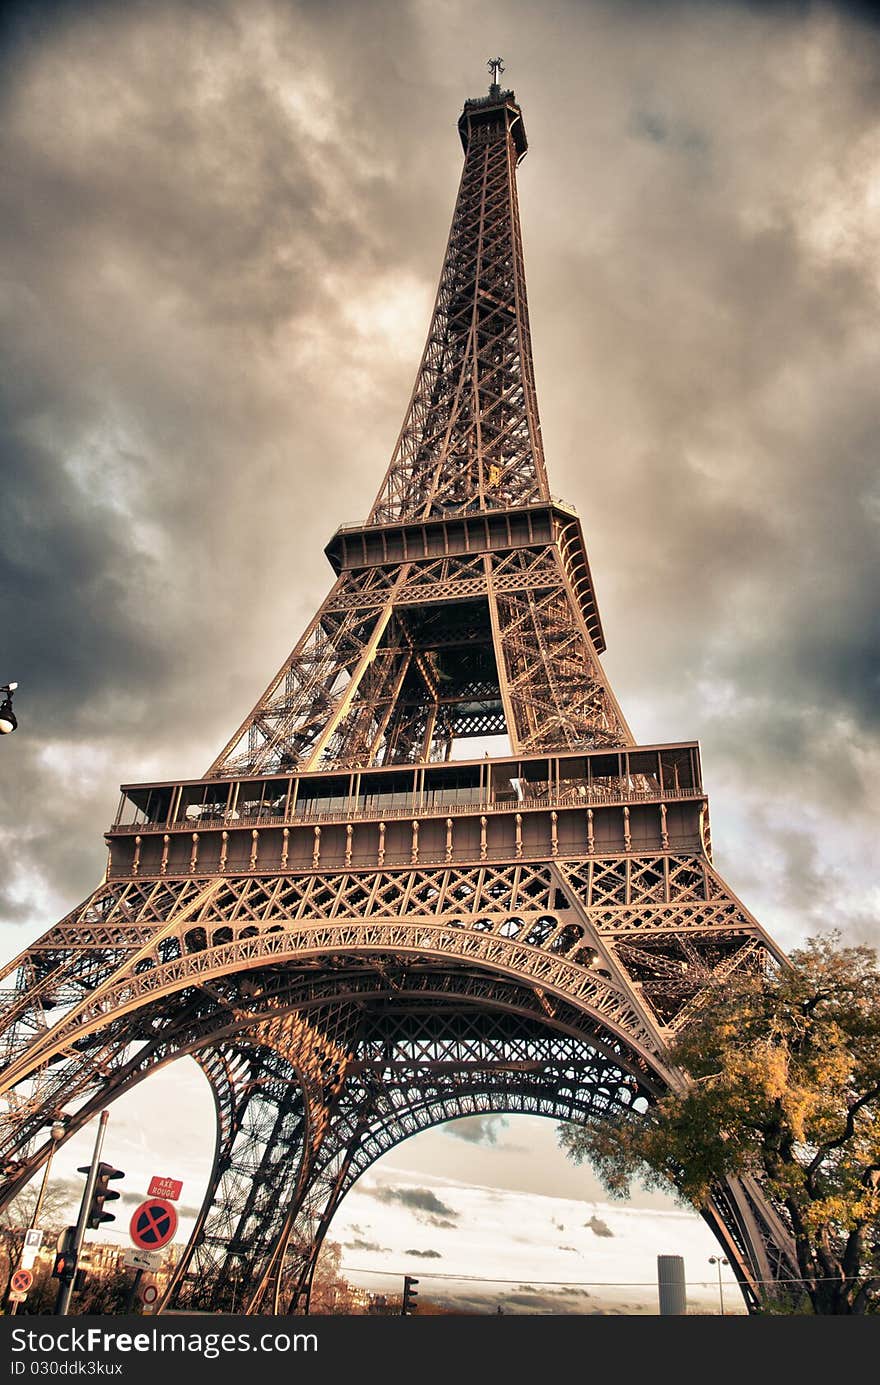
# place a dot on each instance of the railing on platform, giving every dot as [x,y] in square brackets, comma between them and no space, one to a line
[607,798]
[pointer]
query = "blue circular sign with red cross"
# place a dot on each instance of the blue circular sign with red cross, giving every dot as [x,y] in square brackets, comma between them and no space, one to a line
[153,1224]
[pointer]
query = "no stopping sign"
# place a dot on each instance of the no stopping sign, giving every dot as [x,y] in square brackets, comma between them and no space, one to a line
[153,1224]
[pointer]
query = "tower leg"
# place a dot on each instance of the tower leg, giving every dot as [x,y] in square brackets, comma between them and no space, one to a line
[259,1134]
[273,1101]
[324,1180]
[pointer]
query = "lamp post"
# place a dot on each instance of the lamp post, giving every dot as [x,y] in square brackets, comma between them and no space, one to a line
[719,1260]
[57,1131]
[8,720]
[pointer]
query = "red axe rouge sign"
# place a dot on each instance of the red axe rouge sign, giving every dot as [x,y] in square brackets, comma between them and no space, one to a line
[169,1188]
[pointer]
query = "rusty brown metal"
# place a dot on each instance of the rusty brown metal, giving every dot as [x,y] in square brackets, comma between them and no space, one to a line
[358,936]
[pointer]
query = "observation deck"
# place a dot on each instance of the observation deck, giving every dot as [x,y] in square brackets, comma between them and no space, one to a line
[645,799]
[471,533]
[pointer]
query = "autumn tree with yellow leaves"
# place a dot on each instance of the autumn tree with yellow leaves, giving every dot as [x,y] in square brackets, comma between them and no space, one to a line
[784,1085]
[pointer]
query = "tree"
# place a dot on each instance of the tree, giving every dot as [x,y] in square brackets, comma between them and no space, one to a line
[784,1084]
[15,1218]
[107,1293]
[331,1293]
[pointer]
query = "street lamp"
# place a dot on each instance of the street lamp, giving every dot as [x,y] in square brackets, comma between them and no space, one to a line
[8,721]
[57,1130]
[719,1260]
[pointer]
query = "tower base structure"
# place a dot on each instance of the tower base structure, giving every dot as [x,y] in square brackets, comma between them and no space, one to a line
[520,935]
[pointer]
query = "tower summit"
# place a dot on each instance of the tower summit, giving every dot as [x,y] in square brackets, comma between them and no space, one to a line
[464,605]
[356,935]
[471,439]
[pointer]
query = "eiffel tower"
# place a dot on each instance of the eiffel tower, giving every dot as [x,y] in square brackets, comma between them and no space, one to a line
[356,935]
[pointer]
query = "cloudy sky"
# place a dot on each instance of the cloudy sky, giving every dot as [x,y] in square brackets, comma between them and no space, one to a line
[221,227]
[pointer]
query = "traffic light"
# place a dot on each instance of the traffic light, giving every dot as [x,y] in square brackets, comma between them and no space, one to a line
[65,1256]
[410,1294]
[102,1193]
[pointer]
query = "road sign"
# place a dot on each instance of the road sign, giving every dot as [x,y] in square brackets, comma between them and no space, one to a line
[16,1296]
[33,1239]
[148,1293]
[142,1259]
[21,1281]
[153,1224]
[168,1188]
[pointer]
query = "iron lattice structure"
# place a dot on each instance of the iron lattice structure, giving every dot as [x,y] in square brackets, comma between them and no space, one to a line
[354,934]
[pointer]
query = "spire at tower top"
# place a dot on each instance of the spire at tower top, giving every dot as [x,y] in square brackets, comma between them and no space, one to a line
[496,67]
[471,439]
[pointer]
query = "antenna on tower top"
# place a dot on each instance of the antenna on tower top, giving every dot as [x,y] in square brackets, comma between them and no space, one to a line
[496,67]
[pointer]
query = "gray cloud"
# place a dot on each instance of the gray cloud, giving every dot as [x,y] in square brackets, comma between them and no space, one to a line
[418,1200]
[476,1130]
[425,1254]
[359,1243]
[598,1226]
[127,1198]
[524,1298]
[188,1209]
[539,1300]
[69,1188]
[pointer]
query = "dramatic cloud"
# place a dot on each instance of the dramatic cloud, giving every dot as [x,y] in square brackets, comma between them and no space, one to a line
[221,229]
